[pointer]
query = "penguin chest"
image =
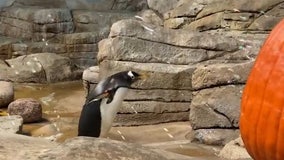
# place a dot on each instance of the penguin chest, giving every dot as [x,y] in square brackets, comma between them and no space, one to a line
[109,110]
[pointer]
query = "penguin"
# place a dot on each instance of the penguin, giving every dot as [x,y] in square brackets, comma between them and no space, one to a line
[103,103]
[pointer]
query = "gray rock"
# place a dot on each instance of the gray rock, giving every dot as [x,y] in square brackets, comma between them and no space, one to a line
[39,3]
[99,22]
[161,95]
[6,93]
[99,5]
[30,109]
[137,50]
[186,9]
[6,3]
[160,76]
[207,23]
[130,5]
[149,118]
[216,107]
[265,23]
[15,146]
[90,78]
[269,19]
[235,150]
[182,38]
[221,74]
[177,23]
[11,124]
[213,136]
[27,22]
[41,47]
[236,6]
[154,107]
[41,67]
[97,149]
[149,16]
[237,21]
[162,6]
[82,38]
[91,74]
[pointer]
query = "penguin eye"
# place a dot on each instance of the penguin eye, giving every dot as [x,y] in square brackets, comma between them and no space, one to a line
[130,74]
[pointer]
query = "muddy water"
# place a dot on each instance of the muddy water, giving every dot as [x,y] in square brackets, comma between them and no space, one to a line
[62,104]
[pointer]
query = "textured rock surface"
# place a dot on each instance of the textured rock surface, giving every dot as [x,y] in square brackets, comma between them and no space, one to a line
[16,146]
[6,93]
[213,136]
[100,22]
[97,149]
[182,38]
[42,67]
[235,150]
[221,74]
[11,124]
[216,107]
[30,109]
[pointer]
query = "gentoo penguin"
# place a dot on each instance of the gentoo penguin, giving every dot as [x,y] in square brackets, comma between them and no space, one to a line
[103,103]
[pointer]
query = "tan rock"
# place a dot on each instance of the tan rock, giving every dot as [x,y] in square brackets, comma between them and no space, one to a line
[82,38]
[99,22]
[136,50]
[218,137]
[161,76]
[11,124]
[182,38]
[206,23]
[186,9]
[154,107]
[235,150]
[162,6]
[149,16]
[149,118]
[221,74]
[161,95]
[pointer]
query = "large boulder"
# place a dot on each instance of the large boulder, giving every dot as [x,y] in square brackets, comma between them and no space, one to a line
[30,109]
[41,67]
[6,93]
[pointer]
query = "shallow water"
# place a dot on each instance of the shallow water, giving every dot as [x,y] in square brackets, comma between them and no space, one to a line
[62,104]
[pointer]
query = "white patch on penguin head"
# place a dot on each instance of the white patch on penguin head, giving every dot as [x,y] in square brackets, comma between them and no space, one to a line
[131,75]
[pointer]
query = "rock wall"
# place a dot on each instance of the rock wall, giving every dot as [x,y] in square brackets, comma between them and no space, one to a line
[202,54]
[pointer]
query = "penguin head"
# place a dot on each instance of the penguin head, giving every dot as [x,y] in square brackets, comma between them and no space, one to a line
[121,79]
[125,78]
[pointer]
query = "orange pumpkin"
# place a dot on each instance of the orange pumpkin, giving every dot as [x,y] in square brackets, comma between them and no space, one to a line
[262,107]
